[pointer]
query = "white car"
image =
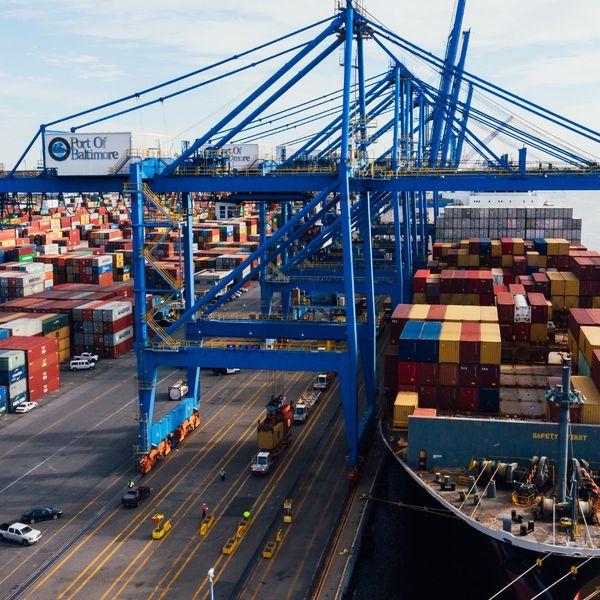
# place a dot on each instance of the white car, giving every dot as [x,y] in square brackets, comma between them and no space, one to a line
[81,364]
[25,407]
[88,356]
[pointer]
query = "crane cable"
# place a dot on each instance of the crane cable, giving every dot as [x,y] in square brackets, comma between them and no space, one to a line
[571,571]
[537,563]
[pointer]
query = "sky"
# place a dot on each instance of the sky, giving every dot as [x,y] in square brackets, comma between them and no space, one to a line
[64,56]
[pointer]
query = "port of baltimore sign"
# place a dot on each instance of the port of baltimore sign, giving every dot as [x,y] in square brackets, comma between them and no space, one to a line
[86,153]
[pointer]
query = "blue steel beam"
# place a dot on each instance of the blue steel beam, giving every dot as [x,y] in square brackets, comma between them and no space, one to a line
[454,96]
[333,26]
[439,116]
[463,126]
[271,329]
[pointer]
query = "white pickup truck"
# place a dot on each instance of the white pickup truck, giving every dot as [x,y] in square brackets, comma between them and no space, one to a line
[20,533]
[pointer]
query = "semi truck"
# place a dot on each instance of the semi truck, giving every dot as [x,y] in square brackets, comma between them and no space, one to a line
[178,390]
[305,404]
[323,381]
[274,432]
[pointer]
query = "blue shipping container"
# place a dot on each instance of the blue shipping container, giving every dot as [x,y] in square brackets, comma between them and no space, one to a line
[489,400]
[407,344]
[14,402]
[4,333]
[541,246]
[155,434]
[428,344]
[3,394]
[10,377]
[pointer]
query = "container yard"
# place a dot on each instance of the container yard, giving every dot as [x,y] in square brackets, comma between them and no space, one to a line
[289,294]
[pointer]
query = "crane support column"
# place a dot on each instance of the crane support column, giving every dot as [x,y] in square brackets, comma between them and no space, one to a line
[398,294]
[348,376]
[187,207]
[265,296]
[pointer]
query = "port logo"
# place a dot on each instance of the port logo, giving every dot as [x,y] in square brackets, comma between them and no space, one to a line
[59,149]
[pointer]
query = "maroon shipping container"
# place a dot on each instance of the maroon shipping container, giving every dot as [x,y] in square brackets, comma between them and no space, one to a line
[579,317]
[446,398]
[508,276]
[488,376]
[118,325]
[586,288]
[467,399]
[542,284]
[446,281]
[467,376]
[448,374]
[471,282]
[408,388]
[506,307]
[485,283]
[507,246]
[470,337]
[408,373]
[427,396]
[574,412]
[399,318]
[539,307]
[520,332]
[420,279]
[516,289]
[428,374]
[390,368]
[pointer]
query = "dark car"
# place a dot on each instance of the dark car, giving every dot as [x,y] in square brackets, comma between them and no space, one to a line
[135,495]
[41,513]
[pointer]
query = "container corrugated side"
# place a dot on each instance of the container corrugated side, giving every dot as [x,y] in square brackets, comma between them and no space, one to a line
[590,411]
[490,350]
[404,406]
[449,350]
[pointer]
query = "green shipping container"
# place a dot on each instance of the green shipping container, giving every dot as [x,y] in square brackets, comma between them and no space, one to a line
[54,323]
[11,359]
[26,258]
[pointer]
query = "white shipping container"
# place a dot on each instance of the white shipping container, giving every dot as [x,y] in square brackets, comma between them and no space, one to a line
[113,311]
[522,309]
[17,388]
[24,327]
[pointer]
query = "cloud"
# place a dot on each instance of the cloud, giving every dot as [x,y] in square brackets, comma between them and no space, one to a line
[84,66]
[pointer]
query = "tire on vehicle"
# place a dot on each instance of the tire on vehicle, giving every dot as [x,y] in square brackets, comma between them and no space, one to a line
[31,521]
[55,517]
[25,542]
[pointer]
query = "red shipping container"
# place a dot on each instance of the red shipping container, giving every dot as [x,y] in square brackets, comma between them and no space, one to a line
[467,399]
[437,312]
[577,318]
[507,246]
[485,282]
[539,307]
[508,276]
[516,288]
[35,347]
[390,368]
[488,376]
[408,373]
[398,321]
[427,396]
[467,376]
[471,282]
[119,325]
[486,300]
[448,374]
[408,388]
[470,336]
[506,307]
[446,398]
[40,378]
[420,279]
[446,277]
[428,373]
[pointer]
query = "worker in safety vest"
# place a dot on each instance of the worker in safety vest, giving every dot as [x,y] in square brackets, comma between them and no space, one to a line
[204,510]
[130,483]
[246,515]
[222,474]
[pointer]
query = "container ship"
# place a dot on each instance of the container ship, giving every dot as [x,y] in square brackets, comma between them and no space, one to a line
[492,377]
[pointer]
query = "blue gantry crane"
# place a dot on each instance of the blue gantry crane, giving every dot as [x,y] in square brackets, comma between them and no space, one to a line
[379,144]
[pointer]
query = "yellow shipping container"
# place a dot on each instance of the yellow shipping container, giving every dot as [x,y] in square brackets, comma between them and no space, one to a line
[463,258]
[542,262]
[445,298]
[472,299]
[449,342]
[589,340]
[496,248]
[551,247]
[64,355]
[463,245]
[558,302]
[590,411]
[518,246]
[563,247]
[533,259]
[549,305]
[571,284]
[488,314]
[418,312]
[457,299]
[571,302]
[404,406]
[573,347]
[595,301]
[454,313]
[557,283]
[471,314]
[490,352]
[473,260]
[538,332]
[507,261]
[419,298]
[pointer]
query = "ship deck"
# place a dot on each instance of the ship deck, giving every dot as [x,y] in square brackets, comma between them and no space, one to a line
[490,512]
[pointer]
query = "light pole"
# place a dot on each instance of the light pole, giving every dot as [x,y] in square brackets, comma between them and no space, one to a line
[211,576]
